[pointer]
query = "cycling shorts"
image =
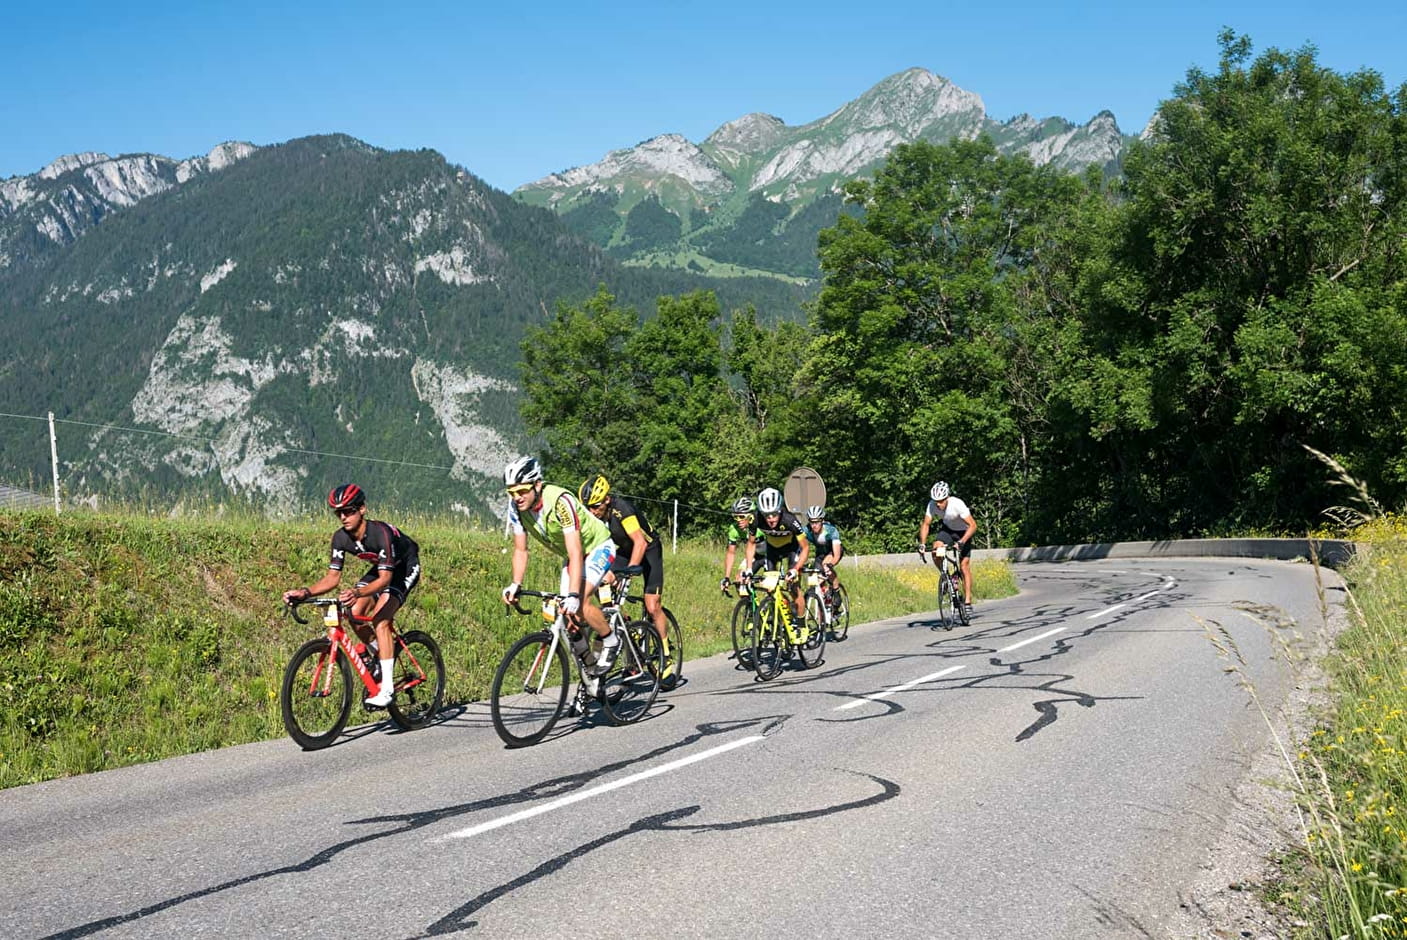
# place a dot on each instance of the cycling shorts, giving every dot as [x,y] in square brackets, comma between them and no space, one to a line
[598,562]
[950,537]
[404,576]
[653,563]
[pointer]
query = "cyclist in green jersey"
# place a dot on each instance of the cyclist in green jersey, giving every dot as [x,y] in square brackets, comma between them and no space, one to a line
[556,518]
[738,534]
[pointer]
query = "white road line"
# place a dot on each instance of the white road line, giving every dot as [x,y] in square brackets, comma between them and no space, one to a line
[1032,640]
[899,688]
[1107,610]
[1145,597]
[603,788]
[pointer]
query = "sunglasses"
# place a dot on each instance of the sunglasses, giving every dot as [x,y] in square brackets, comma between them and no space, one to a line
[347,511]
[521,490]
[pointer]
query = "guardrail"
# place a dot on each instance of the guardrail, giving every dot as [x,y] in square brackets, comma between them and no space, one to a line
[1332,553]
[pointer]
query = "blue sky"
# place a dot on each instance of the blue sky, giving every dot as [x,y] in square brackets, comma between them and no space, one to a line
[514,91]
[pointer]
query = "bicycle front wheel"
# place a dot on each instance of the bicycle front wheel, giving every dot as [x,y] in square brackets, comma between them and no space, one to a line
[529,690]
[768,649]
[744,627]
[420,681]
[813,649]
[840,613]
[945,601]
[629,689]
[316,696]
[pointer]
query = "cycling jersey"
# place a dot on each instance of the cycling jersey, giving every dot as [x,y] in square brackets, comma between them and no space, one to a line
[622,519]
[784,536]
[736,535]
[561,512]
[388,548]
[826,541]
[951,515]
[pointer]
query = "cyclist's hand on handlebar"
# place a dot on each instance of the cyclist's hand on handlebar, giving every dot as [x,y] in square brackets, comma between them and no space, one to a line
[571,604]
[296,596]
[724,585]
[791,574]
[510,593]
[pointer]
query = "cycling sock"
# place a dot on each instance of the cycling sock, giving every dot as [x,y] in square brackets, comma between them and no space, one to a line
[610,639]
[387,684]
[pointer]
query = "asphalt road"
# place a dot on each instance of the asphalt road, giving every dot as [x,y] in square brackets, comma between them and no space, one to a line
[1060,768]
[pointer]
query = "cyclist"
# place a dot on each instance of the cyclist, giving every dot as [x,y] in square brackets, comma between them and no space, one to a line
[555,518]
[781,532]
[631,530]
[956,527]
[738,532]
[380,592]
[826,538]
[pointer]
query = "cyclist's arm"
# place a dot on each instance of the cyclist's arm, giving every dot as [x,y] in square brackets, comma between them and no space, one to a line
[638,542]
[378,583]
[520,556]
[324,584]
[728,557]
[834,557]
[971,530]
[923,529]
[803,555]
[576,561]
[749,551]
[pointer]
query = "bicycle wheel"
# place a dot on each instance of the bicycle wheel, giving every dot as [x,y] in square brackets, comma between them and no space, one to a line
[316,697]
[964,612]
[529,689]
[840,613]
[674,658]
[743,628]
[768,649]
[420,681]
[629,689]
[813,648]
[945,601]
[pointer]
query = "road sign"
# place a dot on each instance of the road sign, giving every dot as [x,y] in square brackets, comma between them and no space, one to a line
[804,488]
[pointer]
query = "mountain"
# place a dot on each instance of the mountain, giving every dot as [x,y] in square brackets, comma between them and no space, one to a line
[755,192]
[252,314]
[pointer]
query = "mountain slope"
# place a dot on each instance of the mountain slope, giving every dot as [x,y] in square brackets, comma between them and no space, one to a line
[757,170]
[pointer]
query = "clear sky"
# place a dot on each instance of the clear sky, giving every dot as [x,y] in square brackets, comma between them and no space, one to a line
[513,91]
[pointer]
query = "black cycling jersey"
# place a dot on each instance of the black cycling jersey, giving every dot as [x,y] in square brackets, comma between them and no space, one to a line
[783,537]
[388,548]
[622,519]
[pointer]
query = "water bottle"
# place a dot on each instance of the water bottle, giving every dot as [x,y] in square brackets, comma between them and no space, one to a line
[579,645]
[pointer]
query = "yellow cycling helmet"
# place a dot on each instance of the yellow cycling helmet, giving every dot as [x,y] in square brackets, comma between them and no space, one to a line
[594,491]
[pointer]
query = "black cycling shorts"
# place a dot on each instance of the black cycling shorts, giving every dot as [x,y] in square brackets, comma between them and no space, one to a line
[653,563]
[950,537]
[404,576]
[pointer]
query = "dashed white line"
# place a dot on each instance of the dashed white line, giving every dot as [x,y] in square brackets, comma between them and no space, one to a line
[899,688]
[603,788]
[1107,610]
[1033,639]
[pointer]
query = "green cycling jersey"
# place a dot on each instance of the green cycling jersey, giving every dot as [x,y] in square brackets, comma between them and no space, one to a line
[559,511]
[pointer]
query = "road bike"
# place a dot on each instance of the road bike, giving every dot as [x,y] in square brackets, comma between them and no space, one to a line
[674,651]
[951,608]
[530,687]
[776,634]
[834,603]
[316,695]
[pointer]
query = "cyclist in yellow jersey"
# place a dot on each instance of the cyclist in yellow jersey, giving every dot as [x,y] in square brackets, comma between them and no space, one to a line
[556,518]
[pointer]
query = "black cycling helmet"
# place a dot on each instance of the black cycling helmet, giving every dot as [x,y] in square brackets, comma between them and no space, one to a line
[346,496]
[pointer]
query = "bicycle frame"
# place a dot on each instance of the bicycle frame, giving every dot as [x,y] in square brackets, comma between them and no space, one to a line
[342,639]
[771,585]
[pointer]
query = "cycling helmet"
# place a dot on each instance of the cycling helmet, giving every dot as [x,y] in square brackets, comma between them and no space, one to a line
[346,496]
[939,491]
[522,470]
[742,506]
[769,501]
[594,491]
[815,513]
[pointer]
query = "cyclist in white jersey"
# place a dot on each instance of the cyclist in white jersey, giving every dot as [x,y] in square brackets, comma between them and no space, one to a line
[956,526]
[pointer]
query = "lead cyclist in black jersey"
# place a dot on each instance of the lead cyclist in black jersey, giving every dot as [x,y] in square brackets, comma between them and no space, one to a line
[783,536]
[395,570]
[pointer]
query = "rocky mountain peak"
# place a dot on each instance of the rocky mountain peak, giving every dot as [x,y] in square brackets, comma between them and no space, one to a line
[72,161]
[750,134]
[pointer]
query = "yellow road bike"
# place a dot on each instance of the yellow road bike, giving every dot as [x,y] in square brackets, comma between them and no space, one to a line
[775,633]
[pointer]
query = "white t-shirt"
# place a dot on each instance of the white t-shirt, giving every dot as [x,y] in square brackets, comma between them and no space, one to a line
[952,515]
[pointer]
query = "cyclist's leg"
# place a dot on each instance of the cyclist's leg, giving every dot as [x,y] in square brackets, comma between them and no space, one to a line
[653,563]
[966,567]
[382,621]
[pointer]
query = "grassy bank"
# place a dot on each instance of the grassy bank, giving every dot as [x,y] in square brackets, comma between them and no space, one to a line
[1347,879]
[126,639]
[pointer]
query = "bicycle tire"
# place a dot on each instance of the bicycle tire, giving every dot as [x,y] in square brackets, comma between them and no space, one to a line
[527,696]
[964,612]
[670,681]
[630,688]
[945,601]
[316,695]
[768,648]
[743,629]
[840,613]
[812,651]
[420,686]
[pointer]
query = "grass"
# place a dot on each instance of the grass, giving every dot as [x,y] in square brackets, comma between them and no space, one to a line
[131,638]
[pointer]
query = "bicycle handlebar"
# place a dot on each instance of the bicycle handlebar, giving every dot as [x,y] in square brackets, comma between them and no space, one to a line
[292,608]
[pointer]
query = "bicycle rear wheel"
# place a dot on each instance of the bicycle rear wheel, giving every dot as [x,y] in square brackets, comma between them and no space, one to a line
[813,649]
[743,628]
[945,601]
[840,613]
[674,656]
[629,689]
[420,683]
[768,649]
[316,696]
[529,690]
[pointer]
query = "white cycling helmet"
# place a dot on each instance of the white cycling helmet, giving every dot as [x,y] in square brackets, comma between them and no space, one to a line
[769,501]
[815,513]
[939,491]
[522,470]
